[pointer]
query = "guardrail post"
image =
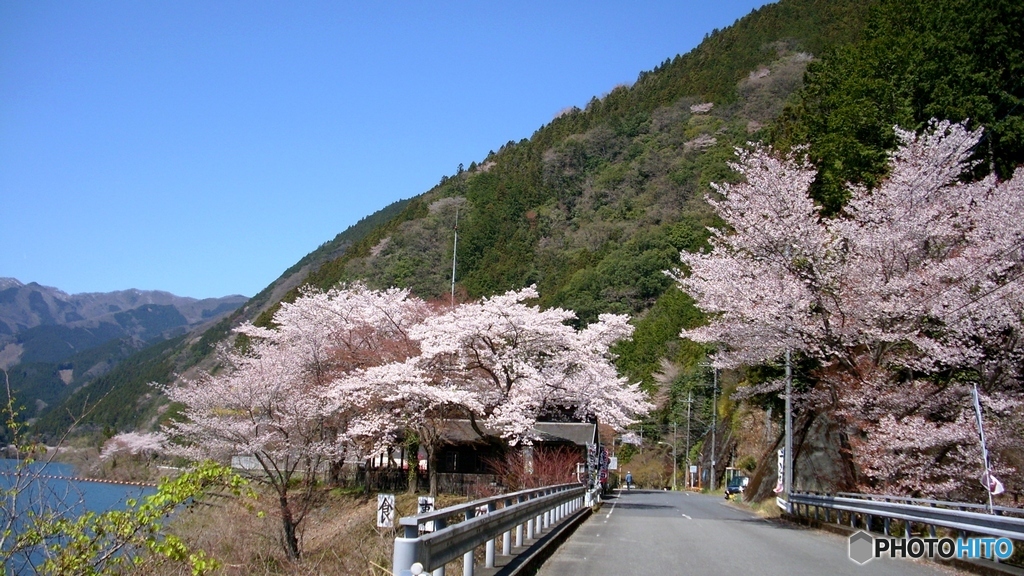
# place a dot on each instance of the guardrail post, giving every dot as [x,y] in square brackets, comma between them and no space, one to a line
[407,551]
[467,558]
[506,538]
[489,550]
[885,526]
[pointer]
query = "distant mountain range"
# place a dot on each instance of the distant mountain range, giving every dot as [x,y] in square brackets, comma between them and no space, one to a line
[51,341]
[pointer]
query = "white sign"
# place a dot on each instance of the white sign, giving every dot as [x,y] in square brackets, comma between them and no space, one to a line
[780,485]
[385,510]
[613,463]
[425,504]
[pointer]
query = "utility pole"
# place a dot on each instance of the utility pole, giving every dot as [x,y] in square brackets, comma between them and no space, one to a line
[787,462]
[689,401]
[455,248]
[714,416]
[788,454]
[675,459]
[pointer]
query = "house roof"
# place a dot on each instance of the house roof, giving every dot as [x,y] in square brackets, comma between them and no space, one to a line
[579,433]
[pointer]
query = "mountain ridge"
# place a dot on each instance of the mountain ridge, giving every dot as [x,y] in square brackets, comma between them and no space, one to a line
[591,208]
[52,342]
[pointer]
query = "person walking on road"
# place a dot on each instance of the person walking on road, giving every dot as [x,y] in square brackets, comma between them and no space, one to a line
[629,480]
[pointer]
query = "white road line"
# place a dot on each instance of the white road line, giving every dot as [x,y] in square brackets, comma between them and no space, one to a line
[687,517]
[612,510]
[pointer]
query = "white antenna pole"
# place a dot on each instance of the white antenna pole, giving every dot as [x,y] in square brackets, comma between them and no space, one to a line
[984,449]
[455,248]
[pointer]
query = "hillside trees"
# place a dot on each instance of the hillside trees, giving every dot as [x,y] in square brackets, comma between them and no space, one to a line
[957,59]
[904,298]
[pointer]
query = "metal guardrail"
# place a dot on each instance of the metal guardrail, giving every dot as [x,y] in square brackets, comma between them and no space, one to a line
[931,513]
[481,522]
[965,506]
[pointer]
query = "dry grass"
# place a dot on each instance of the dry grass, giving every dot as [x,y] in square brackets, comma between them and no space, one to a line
[765,509]
[339,537]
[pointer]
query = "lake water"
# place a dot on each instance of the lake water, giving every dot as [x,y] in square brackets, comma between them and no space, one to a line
[46,486]
[95,496]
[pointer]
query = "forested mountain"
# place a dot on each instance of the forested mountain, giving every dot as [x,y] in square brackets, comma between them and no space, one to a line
[594,206]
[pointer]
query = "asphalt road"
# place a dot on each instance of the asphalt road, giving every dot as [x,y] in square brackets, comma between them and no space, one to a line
[652,532]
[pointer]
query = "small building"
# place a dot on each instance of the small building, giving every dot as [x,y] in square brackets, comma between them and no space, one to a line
[468,463]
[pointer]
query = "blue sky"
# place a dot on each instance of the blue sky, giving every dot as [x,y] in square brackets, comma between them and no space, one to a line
[203,147]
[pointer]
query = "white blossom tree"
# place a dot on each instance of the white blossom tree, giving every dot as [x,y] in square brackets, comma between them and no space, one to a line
[511,362]
[295,398]
[914,289]
[134,444]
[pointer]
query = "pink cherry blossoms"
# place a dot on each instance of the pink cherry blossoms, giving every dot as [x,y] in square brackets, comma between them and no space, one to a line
[135,444]
[350,370]
[910,293]
[514,362]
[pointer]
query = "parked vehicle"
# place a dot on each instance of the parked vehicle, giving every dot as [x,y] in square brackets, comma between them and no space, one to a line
[736,486]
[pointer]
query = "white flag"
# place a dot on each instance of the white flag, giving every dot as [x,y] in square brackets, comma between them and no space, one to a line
[992,484]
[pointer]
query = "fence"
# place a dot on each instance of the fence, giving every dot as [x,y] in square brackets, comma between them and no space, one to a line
[870,509]
[459,530]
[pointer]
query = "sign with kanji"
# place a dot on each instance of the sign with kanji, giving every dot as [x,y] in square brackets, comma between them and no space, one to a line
[425,504]
[385,510]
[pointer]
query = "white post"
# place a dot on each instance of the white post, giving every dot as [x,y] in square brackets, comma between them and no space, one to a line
[984,449]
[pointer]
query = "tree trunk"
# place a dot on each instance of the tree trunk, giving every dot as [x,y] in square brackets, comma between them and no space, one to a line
[413,458]
[334,474]
[291,541]
[432,468]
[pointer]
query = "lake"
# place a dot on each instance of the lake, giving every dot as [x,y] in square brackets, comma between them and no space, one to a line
[47,486]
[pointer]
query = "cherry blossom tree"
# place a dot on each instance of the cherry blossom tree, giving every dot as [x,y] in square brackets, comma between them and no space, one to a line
[294,398]
[502,364]
[135,444]
[909,293]
[509,363]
